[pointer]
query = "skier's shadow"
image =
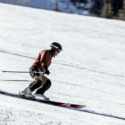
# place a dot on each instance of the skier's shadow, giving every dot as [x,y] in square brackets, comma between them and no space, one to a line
[96,113]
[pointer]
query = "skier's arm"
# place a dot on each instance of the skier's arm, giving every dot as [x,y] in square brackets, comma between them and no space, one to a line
[43,61]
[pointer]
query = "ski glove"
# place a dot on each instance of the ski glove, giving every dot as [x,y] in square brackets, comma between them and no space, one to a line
[46,70]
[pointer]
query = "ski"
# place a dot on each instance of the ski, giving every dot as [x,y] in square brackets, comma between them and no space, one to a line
[61,104]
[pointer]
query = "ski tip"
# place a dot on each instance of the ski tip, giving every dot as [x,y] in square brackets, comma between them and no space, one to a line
[65,105]
[79,106]
[83,106]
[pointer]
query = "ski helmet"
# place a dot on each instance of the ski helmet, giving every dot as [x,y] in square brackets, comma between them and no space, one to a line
[55,46]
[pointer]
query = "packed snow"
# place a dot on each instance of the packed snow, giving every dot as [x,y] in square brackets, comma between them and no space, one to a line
[90,70]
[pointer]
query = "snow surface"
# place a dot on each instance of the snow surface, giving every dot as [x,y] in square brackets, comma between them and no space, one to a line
[90,70]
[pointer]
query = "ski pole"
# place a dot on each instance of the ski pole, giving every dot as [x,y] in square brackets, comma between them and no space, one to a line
[21,72]
[18,80]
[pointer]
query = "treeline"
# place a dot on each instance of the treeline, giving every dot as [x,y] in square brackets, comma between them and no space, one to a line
[112,9]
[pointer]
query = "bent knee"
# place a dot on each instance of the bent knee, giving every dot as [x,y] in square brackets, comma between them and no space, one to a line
[48,83]
[37,78]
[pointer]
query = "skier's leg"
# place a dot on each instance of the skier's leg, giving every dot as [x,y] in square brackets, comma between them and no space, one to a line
[36,83]
[44,88]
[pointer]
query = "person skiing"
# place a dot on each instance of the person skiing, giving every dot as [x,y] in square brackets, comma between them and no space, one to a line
[43,60]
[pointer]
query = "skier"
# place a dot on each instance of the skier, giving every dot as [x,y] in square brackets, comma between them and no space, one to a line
[41,83]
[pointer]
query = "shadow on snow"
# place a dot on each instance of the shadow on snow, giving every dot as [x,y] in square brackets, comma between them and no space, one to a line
[66,65]
[96,113]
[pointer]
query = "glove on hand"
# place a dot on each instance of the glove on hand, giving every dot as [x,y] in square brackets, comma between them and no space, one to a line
[46,70]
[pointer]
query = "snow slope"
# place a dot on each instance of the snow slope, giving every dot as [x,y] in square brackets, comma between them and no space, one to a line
[90,69]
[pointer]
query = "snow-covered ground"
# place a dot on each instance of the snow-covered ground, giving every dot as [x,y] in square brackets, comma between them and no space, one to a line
[90,70]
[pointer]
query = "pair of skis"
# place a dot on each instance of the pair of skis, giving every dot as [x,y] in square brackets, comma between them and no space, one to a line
[61,104]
